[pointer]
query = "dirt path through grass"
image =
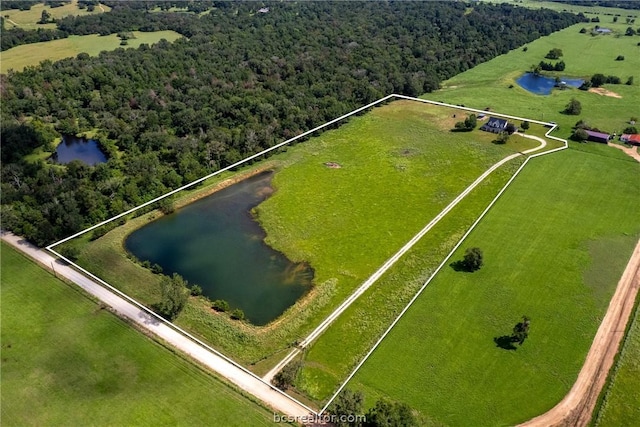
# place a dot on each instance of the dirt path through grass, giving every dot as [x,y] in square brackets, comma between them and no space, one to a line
[391,261]
[577,406]
[631,151]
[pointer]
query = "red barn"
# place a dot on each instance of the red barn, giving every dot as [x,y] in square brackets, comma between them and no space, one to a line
[634,139]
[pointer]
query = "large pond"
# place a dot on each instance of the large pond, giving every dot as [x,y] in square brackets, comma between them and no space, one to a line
[215,243]
[73,148]
[541,85]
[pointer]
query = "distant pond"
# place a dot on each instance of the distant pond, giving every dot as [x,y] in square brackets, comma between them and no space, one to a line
[215,242]
[541,85]
[86,150]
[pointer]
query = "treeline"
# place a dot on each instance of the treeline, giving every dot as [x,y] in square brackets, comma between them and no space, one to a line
[124,16]
[195,6]
[17,36]
[622,4]
[118,20]
[173,112]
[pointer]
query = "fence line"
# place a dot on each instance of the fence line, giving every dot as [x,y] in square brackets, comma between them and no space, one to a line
[178,329]
[204,178]
[281,144]
[423,287]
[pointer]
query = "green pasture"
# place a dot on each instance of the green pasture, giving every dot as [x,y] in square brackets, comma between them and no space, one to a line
[621,403]
[605,14]
[584,55]
[28,19]
[399,166]
[555,245]
[68,361]
[19,57]
[338,350]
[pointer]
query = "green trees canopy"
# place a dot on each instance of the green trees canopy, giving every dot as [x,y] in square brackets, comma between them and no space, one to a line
[242,81]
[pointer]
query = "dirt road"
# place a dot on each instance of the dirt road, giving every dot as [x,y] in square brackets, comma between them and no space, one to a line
[577,407]
[242,378]
[631,151]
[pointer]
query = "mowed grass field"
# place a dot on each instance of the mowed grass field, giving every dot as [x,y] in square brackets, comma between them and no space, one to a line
[584,55]
[337,351]
[621,404]
[28,19]
[19,57]
[605,14]
[555,245]
[68,361]
[399,166]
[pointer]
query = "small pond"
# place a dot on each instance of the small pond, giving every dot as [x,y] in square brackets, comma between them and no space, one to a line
[541,85]
[215,242]
[86,150]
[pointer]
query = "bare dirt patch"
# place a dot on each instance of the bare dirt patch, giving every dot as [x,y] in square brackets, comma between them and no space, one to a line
[631,151]
[332,165]
[604,92]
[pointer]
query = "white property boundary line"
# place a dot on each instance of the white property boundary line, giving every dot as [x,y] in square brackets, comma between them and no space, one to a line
[462,239]
[302,135]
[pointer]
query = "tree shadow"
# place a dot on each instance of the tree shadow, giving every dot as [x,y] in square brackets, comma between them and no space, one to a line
[460,265]
[505,342]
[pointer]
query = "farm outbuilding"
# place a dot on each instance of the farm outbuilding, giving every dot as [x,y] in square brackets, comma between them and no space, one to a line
[598,136]
[634,139]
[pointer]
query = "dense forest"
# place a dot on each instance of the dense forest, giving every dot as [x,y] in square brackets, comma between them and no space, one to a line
[242,81]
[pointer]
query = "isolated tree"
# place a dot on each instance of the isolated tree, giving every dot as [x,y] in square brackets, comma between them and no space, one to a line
[536,69]
[525,125]
[220,305]
[390,414]
[629,81]
[580,135]
[503,138]
[174,296]
[554,53]
[473,259]
[585,85]
[468,124]
[521,331]
[620,58]
[287,376]
[347,404]
[471,122]
[630,32]
[573,107]
[630,129]
[511,128]
[598,80]
[45,17]
[195,290]
[237,314]
[615,19]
